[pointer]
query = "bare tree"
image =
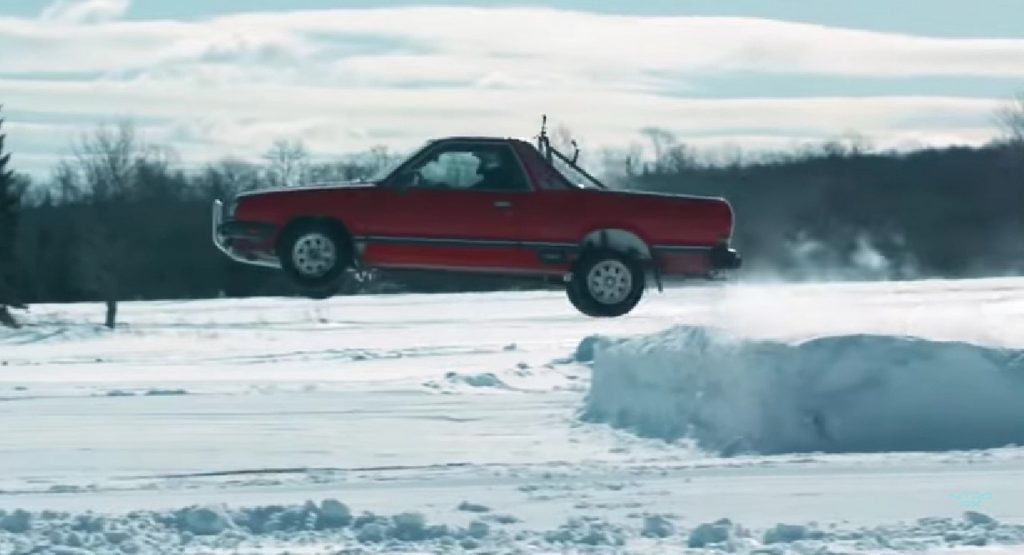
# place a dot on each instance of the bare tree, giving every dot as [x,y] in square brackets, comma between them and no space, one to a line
[228,177]
[106,164]
[287,162]
[669,154]
[1011,119]
[106,160]
[621,165]
[67,182]
[354,167]
[661,140]
[376,160]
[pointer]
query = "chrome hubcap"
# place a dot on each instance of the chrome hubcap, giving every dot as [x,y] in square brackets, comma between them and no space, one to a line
[610,281]
[314,254]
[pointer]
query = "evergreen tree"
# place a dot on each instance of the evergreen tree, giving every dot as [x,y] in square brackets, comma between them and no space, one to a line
[10,202]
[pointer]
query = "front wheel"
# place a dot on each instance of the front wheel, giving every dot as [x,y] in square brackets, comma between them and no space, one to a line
[605,284]
[347,284]
[315,256]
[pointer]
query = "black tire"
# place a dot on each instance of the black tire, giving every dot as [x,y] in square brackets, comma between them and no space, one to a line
[610,298]
[315,255]
[318,293]
[346,285]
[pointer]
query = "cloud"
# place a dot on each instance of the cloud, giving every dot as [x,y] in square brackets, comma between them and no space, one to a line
[225,84]
[551,42]
[601,116]
[78,11]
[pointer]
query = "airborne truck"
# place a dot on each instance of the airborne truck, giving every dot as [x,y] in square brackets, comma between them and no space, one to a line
[483,204]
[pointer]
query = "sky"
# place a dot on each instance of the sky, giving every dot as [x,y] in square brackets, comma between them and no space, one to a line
[227,78]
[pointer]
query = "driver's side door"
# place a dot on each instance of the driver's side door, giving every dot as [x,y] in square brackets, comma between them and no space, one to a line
[438,217]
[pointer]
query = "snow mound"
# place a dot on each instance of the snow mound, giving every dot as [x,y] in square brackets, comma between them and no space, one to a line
[857,393]
[486,379]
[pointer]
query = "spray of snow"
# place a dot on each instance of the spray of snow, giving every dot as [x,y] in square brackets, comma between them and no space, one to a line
[857,393]
[858,257]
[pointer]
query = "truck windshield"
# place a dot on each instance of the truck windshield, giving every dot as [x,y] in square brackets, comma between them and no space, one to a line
[393,164]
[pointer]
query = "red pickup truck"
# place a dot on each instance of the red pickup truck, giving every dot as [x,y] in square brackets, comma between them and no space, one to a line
[473,204]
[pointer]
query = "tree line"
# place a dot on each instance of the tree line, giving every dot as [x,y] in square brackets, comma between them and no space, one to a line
[120,219]
[842,211]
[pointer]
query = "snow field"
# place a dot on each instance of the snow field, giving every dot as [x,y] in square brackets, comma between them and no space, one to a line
[452,423]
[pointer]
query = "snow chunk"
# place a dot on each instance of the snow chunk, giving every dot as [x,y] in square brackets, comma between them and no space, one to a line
[89,522]
[468,507]
[410,527]
[980,519]
[587,349]
[709,533]
[657,526]
[17,522]
[486,379]
[478,530]
[856,393]
[587,531]
[204,521]
[333,514]
[165,392]
[785,533]
[116,537]
[501,518]
[371,533]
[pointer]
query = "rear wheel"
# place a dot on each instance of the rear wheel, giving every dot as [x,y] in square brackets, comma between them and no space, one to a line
[315,256]
[605,284]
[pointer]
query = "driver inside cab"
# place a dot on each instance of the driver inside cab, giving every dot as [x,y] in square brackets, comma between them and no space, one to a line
[497,170]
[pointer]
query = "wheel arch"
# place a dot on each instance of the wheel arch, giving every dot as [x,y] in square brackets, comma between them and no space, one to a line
[618,239]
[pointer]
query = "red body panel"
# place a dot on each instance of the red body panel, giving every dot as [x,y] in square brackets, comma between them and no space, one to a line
[506,232]
[569,215]
[467,259]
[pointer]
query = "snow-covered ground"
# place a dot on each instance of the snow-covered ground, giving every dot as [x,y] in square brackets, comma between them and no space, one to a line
[452,423]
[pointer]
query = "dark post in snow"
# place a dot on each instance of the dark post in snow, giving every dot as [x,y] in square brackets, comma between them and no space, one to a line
[111,314]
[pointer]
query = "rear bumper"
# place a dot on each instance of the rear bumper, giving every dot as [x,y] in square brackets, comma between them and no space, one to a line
[225,233]
[723,257]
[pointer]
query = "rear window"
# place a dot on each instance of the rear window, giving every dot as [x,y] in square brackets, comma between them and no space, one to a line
[540,171]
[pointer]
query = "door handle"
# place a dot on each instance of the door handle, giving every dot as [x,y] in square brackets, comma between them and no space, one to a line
[502,204]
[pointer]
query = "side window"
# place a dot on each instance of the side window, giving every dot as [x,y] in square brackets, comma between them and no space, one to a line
[483,167]
[453,169]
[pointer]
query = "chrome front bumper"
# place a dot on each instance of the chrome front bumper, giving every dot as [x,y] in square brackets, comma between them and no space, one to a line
[220,241]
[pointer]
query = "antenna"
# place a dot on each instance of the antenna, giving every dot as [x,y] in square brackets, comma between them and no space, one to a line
[542,140]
